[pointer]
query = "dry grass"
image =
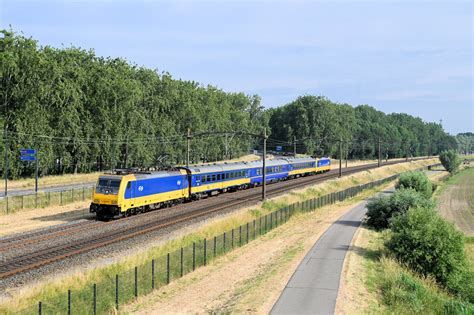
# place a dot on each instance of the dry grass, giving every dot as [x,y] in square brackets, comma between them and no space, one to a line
[27,220]
[51,181]
[456,200]
[87,274]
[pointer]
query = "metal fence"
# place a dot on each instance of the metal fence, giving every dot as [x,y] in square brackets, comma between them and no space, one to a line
[12,204]
[114,290]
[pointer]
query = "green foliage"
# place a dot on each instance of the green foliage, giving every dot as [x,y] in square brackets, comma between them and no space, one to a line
[450,160]
[429,245]
[381,210]
[465,142]
[97,113]
[322,123]
[417,181]
[405,293]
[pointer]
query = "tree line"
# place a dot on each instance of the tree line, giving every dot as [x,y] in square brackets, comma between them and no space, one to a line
[83,113]
[324,127]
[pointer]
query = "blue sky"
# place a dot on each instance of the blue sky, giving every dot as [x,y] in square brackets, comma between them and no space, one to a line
[398,56]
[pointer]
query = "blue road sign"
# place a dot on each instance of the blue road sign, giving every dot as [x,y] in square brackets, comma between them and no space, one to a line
[28,158]
[279,148]
[27,151]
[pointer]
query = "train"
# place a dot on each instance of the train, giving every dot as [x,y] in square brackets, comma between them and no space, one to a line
[126,192]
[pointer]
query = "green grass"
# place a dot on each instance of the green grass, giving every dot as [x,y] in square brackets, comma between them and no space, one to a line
[401,291]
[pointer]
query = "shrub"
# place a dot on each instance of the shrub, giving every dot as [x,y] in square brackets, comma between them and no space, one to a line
[417,181]
[450,160]
[381,210]
[429,245]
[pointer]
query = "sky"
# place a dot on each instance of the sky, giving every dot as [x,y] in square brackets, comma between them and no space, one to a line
[397,56]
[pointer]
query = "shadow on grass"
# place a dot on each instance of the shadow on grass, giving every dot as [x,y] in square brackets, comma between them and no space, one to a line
[67,216]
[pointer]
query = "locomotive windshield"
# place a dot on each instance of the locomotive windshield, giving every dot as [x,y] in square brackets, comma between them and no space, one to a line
[108,186]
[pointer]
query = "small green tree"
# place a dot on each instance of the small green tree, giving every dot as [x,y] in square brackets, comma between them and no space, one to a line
[450,160]
[381,210]
[428,244]
[417,181]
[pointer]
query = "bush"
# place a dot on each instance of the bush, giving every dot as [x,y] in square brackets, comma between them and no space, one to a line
[381,210]
[417,181]
[450,160]
[429,245]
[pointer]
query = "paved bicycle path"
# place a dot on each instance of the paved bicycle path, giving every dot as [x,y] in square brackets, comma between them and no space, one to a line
[313,287]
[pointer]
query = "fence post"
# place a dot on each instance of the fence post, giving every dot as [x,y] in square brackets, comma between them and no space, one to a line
[232,239]
[49,198]
[215,244]
[266,223]
[116,292]
[61,198]
[22,201]
[240,235]
[181,262]
[83,193]
[194,256]
[69,301]
[153,273]
[260,225]
[205,252]
[271,220]
[136,281]
[168,268]
[224,242]
[247,232]
[254,229]
[94,299]
[40,308]
[36,199]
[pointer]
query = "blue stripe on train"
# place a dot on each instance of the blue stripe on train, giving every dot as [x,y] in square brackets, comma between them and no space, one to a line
[151,186]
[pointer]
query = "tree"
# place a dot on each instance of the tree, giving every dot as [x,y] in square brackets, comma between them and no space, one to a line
[450,160]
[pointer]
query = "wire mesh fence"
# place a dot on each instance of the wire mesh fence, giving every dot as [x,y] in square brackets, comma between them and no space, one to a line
[44,199]
[114,290]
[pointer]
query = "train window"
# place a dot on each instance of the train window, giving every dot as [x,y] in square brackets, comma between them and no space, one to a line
[129,185]
[214,178]
[203,179]
[218,176]
[243,173]
[208,178]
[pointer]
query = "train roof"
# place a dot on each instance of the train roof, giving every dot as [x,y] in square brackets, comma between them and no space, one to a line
[300,160]
[141,174]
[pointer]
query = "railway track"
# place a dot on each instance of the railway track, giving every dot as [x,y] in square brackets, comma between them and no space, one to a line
[45,256]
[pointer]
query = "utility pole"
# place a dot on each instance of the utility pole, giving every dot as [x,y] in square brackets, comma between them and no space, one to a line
[340,158]
[294,146]
[264,170]
[5,168]
[188,140]
[36,171]
[380,157]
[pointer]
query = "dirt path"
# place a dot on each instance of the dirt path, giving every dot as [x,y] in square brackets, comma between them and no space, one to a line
[456,201]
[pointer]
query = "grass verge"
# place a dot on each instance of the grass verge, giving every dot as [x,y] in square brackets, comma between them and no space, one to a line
[401,291]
